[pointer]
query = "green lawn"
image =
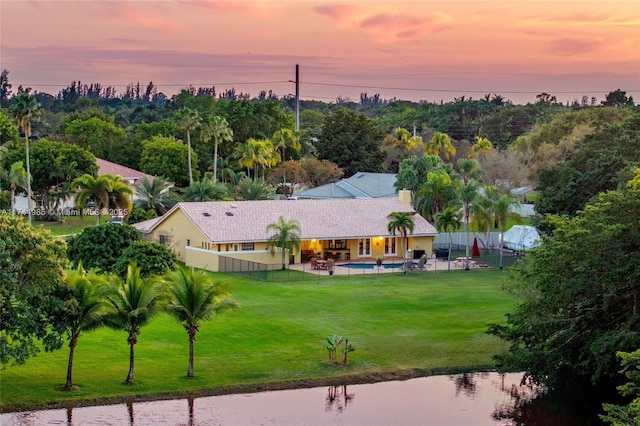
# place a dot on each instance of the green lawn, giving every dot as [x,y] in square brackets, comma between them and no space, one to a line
[431,322]
[71,225]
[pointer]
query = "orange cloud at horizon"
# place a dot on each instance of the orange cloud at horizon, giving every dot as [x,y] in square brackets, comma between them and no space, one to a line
[409,49]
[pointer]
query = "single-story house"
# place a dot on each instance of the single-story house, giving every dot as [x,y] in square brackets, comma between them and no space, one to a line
[360,185]
[200,233]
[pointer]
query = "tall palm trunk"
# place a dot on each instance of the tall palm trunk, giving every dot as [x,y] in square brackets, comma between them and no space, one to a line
[132,342]
[26,137]
[215,160]
[189,157]
[97,216]
[192,338]
[72,347]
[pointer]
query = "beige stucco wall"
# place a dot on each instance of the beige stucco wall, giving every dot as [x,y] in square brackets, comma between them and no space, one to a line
[179,230]
[210,259]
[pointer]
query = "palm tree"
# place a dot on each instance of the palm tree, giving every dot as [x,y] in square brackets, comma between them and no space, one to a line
[484,210]
[106,191]
[253,189]
[120,194]
[155,194]
[205,190]
[447,221]
[216,128]
[286,138]
[92,189]
[134,302]
[467,195]
[194,297]
[440,142]
[17,178]
[503,213]
[402,223]
[85,312]
[286,235]
[469,169]
[435,193]
[24,110]
[188,119]
[481,148]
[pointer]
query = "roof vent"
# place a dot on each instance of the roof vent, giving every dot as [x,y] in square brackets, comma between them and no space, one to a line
[229,213]
[207,214]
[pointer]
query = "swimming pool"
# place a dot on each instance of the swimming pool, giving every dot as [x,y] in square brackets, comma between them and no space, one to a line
[371,265]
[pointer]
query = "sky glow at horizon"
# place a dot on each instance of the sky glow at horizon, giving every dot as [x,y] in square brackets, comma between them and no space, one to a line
[414,50]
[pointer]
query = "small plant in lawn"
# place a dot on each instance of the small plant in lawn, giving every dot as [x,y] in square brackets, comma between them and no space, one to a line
[335,344]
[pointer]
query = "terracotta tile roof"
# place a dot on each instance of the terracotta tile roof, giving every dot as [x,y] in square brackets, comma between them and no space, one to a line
[238,221]
[128,174]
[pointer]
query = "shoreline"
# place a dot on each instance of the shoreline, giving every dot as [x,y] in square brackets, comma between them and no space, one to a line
[350,379]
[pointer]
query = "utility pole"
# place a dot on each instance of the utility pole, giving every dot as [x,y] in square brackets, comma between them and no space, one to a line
[297,98]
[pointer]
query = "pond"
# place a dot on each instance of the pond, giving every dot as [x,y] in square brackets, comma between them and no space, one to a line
[465,399]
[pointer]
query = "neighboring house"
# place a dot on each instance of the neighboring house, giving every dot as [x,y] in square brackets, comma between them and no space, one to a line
[360,185]
[200,232]
[129,175]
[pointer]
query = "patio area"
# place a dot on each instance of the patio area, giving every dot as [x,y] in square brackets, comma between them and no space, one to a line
[389,266]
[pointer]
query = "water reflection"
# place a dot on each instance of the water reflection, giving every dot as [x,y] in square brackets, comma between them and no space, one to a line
[457,400]
[338,398]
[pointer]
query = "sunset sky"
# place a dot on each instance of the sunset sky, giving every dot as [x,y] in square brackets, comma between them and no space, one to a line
[414,50]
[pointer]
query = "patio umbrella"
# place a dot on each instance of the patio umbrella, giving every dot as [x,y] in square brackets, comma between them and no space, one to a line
[475,251]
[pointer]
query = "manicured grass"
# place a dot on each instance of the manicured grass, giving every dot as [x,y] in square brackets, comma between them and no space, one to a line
[71,225]
[432,322]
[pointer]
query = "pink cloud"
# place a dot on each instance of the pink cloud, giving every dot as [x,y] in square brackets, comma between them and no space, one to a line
[384,27]
[573,46]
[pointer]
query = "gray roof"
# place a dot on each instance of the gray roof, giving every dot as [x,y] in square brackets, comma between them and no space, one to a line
[246,221]
[360,185]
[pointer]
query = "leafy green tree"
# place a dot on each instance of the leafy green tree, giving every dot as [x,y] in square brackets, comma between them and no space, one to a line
[32,294]
[8,131]
[414,170]
[206,189]
[447,221]
[284,234]
[188,119]
[54,165]
[619,415]
[24,110]
[402,223]
[102,138]
[216,128]
[133,302]
[603,161]
[100,247]
[195,297]
[155,194]
[618,98]
[85,311]
[153,259]
[578,298]
[17,178]
[351,141]
[164,156]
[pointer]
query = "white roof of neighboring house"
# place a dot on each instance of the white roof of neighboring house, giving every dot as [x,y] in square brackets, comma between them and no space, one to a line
[246,221]
[360,185]
[128,174]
